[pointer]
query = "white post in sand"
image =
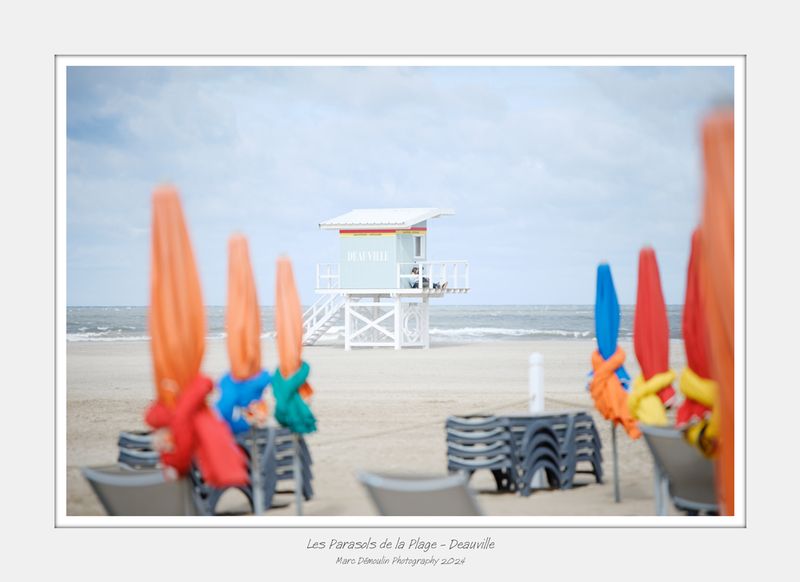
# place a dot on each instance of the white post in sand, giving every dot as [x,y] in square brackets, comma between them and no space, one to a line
[536,401]
[535,383]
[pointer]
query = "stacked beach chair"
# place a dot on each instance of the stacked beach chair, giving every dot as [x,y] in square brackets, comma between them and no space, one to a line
[276,459]
[275,448]
[538,449]
[482,443]
[562,444]
[136,450]
[516,448]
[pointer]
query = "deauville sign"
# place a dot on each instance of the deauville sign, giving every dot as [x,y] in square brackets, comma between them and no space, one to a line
[367,257]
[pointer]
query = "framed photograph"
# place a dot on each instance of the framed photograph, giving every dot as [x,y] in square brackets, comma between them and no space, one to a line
[400,291]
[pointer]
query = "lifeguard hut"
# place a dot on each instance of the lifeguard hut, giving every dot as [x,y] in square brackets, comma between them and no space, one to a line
[384,299]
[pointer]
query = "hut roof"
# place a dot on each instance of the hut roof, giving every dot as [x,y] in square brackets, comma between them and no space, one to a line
[383,218]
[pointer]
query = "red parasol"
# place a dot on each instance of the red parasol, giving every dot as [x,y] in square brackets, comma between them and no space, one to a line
[653,389]
[694,383]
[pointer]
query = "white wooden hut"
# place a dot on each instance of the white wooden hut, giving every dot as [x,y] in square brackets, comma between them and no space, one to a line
[384,280]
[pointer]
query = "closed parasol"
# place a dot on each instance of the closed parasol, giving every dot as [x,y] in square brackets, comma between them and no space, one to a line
[609,376]
[717,232]
[289,384]
[186,427]
[652,389]
[695,383]
[606,319]
[240,401]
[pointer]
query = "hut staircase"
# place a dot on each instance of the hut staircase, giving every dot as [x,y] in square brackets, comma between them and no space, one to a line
[321,316]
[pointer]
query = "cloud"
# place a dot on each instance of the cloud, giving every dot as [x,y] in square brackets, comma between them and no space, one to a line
[549,169]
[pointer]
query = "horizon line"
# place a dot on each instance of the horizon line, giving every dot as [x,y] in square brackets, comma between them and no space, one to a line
[454,306]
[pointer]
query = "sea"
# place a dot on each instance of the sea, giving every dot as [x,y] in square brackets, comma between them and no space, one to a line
[448,324]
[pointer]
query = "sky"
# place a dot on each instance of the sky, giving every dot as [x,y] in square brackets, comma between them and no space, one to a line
[550,170]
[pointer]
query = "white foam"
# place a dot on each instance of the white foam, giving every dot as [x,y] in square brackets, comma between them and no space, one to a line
[474,332]
[81,337]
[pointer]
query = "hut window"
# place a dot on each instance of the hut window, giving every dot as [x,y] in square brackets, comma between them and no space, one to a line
[419,247]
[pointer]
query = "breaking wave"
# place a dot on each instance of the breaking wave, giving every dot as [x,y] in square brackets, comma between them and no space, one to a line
[502,332]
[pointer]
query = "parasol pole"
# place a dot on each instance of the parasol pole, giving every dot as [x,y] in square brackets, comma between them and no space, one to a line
[616,464]
[298,475]
[255,476]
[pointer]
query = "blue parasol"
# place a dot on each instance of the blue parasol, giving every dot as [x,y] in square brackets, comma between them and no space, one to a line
[237,395]
[606,322]
[606,319]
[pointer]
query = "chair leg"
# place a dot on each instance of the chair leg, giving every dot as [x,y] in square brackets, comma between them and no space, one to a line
[660,486]
[502,479]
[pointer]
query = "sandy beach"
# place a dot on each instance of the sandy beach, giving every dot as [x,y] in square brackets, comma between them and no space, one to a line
[377,410]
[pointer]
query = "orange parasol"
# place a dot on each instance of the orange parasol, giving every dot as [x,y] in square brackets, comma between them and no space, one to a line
[177,317]
[242,317]
[717,229]
[289,323]
[241,390]
[289,383]
[177,330]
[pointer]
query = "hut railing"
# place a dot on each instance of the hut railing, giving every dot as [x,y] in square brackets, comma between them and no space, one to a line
[327,275]
[433,275]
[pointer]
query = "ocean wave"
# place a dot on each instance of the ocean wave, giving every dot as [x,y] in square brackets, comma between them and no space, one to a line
[117,336]
[99,337]
[89,334]
[473,332]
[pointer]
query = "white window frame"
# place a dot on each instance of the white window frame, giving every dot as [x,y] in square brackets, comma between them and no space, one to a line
[421,239]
